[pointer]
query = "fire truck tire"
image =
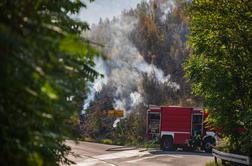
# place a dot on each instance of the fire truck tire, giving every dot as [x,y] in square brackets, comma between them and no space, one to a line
[208,144]
[167,143]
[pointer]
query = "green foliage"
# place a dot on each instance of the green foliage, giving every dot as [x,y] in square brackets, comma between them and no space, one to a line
[132,129]
[95,123]
[106,141]
[214,164]
[43,62]
[220,68]
[97,127]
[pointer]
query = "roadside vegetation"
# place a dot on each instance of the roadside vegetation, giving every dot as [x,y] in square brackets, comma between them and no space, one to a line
[44,67]
[214,164]
[220,68]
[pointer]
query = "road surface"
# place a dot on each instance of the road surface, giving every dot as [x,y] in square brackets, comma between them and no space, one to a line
[93,154]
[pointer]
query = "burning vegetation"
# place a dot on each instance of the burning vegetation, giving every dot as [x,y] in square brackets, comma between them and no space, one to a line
[145,48]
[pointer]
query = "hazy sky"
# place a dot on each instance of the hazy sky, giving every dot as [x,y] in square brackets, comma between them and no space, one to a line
[105,9]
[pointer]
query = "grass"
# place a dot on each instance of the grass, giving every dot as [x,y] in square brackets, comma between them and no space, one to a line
[103,141]
[88,139]
[151,146]
[213,164]
[106,141]
[144,144]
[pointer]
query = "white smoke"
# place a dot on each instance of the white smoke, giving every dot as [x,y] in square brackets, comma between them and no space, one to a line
[98,84]
[116,122]
[125,66]
[136,98]
[166,8]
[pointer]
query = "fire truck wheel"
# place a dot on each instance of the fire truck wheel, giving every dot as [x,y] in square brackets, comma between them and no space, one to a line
[167,143]
[208,144]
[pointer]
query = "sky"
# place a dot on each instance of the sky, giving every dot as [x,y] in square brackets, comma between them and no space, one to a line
[105,9]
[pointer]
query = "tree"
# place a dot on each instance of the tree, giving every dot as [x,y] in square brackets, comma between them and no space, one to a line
[220,68]
[44,65]
[161,37]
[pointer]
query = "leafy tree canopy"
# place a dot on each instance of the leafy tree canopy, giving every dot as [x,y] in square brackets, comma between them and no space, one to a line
[221,67]
[44,65]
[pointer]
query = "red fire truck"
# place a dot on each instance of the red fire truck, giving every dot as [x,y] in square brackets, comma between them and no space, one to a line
[183,127]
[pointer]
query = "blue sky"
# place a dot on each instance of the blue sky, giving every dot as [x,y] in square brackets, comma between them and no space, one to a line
[105,9]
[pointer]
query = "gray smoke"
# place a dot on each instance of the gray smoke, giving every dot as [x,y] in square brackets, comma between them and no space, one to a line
[125,66]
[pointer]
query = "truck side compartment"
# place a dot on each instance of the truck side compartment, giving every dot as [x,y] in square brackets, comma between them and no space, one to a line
[176,121]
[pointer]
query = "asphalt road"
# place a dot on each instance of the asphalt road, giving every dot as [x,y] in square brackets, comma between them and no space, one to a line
[93,154]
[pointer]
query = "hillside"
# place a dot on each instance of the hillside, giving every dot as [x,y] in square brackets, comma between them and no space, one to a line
[145,49]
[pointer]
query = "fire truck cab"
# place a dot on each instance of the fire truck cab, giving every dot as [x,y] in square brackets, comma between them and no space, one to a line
[175,126]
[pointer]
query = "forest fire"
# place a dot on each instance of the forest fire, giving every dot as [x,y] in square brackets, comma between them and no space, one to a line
[143,66]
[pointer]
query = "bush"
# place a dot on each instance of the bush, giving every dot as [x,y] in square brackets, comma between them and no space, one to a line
[44,66]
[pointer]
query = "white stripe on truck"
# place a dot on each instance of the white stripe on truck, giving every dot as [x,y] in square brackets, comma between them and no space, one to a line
[173,132]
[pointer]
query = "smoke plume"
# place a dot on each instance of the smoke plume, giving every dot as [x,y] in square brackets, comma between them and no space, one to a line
[124,68]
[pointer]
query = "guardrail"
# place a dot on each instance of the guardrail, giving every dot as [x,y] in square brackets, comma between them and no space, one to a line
[231,157]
